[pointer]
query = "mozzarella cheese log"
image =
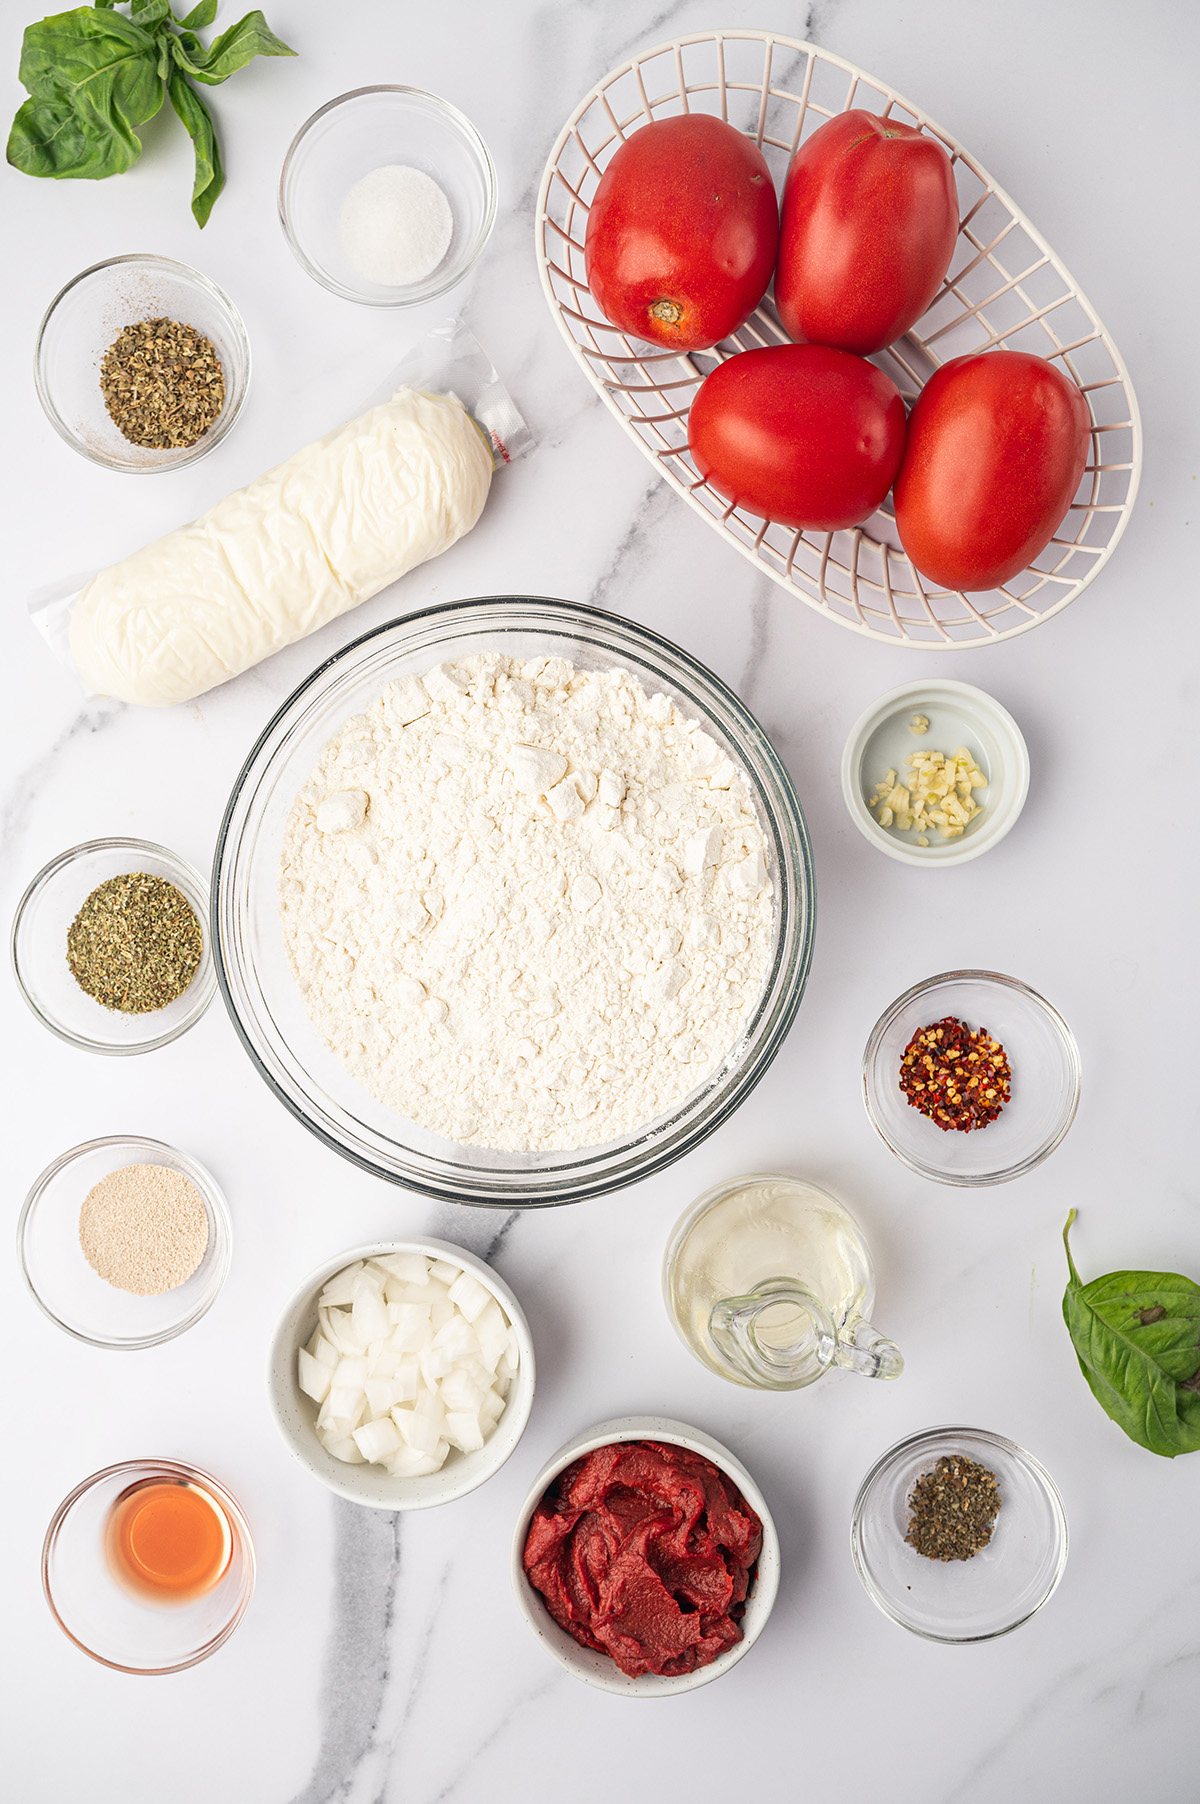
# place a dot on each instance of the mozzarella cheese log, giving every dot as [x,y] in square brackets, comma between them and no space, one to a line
[318,534]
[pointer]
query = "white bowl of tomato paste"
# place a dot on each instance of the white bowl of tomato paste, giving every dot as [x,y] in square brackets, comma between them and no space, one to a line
[654,1544]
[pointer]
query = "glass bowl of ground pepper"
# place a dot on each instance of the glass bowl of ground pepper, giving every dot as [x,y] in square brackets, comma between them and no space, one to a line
[958,1534]
[142,364]
[110,946]
[971,1078]
[124,1242]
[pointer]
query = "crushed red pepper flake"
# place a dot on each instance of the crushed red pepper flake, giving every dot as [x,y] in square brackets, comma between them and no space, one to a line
[956,1075]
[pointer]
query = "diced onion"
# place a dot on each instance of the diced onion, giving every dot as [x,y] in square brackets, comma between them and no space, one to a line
[314,1377]
[411,1358]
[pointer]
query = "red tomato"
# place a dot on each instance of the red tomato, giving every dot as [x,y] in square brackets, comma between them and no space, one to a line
[996,446]
[800,434]
[682,234]
[870,216]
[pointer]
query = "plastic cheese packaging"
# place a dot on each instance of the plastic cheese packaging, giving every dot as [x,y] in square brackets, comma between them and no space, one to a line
[327,529]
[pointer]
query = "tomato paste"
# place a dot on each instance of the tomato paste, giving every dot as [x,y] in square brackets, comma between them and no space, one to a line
[645,1552]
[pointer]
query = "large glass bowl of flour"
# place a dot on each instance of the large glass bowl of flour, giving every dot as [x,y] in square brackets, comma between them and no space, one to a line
[256,976]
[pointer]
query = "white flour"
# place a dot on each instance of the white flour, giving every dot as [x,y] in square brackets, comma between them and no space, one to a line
[527,904]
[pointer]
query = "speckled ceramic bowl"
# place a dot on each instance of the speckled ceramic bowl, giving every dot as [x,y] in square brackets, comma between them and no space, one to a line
[958,714]
[296,1414]
[596,1668]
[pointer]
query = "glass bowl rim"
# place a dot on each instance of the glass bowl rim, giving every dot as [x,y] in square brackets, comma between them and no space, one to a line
[196,1174]
[474,139]
[174,1468]
[1021,1457]
[975,1181]
[204,980]
[572,1185]
[208,441]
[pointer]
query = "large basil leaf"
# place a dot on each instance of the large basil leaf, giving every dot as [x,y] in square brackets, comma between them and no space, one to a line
[250,37]
[92,78]
[210,175]
[1137,1338]
[94,75]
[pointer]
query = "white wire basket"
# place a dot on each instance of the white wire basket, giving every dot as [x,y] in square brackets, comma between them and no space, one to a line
[1005,288]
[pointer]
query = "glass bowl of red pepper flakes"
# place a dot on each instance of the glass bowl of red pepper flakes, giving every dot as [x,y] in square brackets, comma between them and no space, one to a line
[971,1078]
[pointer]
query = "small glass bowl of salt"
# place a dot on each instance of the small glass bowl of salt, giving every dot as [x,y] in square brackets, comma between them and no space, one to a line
[387,196]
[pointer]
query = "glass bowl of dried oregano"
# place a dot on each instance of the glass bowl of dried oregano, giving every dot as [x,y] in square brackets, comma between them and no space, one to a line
[958,1534]
[110,946]
[142,364]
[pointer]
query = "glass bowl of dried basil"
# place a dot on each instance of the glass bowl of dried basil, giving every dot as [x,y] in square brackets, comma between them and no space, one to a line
[971,1078]
[958,1534]
[142,364]
[110,946]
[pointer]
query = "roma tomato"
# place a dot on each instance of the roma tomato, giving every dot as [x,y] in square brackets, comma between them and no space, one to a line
[682,233]
[870,216]
[801,434]
[996,446]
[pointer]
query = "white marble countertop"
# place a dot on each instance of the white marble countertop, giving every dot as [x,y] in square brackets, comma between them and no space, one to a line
[382,1658]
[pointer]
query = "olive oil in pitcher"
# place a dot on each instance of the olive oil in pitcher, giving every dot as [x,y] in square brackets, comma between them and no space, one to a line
[768,1280]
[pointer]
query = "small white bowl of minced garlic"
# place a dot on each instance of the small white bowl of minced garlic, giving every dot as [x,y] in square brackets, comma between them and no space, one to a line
[935,772]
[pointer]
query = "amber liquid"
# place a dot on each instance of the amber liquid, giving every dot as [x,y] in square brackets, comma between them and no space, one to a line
[168,1540]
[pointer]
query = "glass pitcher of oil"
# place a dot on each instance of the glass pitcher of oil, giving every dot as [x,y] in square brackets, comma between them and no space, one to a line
[768,1281]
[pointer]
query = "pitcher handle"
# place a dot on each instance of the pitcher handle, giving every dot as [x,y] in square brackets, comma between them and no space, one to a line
[817,1344]
[861,1348]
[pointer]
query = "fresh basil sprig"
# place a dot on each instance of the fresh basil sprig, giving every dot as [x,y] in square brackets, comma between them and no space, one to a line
[95,75]
[1137,1337]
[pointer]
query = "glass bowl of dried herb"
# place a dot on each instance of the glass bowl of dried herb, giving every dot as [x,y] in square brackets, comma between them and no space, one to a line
[110,946]
[958,1534]
[971,1078]
[142,364]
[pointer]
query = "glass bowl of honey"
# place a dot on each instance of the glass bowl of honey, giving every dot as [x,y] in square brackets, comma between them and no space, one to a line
[148,1566]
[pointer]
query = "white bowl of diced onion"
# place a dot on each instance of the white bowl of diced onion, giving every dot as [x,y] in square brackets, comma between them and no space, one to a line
[377,1372]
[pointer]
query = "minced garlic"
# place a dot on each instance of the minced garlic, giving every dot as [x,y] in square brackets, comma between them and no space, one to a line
[937,794]
[919,723]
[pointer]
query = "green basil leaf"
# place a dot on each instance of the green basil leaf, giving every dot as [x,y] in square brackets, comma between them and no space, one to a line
[1137,1338]
[187,51]
[112,22]
[250,37]
[95,74]
[92,78]
[210,176]
[151,12]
